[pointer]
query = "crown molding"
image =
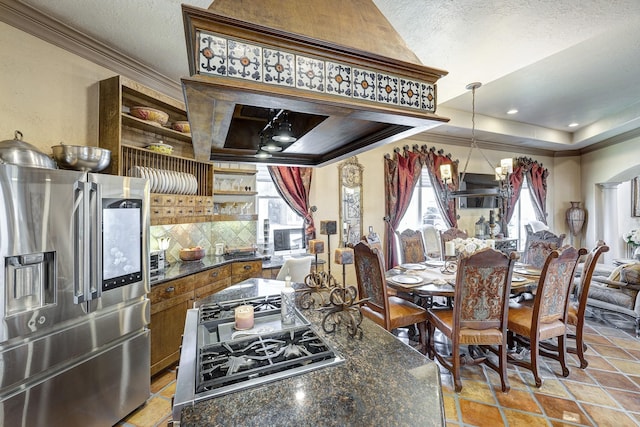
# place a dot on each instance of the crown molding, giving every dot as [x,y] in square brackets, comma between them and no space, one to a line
[34,22]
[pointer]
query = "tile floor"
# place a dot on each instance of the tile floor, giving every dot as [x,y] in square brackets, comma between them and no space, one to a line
[607,393]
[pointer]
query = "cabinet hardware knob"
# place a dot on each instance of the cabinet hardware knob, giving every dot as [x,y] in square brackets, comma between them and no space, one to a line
[170,289]
[215,273]
[247,267]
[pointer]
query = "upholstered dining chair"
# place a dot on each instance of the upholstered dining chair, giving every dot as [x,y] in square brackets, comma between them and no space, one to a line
[539,245]
[448,235]
[412,249]
[578,307]
[479,313]
[546,318]
[389,312]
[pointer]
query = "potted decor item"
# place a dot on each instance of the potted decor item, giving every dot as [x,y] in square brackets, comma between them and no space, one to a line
[575,218]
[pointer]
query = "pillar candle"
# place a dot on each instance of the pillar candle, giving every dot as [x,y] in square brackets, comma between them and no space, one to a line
[449,249]
[316,246]
[344,256]
[244,317]
[491,243]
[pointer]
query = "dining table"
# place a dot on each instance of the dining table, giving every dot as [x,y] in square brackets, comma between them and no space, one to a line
[429,279]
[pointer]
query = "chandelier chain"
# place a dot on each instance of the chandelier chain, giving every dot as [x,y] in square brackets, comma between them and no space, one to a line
[473,87]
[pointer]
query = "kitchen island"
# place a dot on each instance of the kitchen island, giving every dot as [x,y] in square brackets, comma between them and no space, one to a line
[382,381]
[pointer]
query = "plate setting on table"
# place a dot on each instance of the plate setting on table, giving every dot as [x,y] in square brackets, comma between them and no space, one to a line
[517,279]
[527,271]
[406,280]
[413,266]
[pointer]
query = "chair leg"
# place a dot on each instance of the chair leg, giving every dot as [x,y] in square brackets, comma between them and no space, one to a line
[422,329]
[580,346]
[534,362]
[562,354]
[504,381]
[430,345]
[455,362]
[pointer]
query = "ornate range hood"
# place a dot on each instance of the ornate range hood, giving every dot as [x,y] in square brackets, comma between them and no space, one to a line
[336,71]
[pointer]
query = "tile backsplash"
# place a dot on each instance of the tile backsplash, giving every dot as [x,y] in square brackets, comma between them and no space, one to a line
[234,234]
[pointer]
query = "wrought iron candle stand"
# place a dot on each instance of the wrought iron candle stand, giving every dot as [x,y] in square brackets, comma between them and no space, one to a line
[318,285]
[344,307]
[450,265]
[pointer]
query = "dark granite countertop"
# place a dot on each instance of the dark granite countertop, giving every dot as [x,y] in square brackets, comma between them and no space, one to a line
[184,268]
[382,382]
[180,269]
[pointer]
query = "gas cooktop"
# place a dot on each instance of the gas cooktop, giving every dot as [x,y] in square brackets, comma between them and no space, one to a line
[216,359]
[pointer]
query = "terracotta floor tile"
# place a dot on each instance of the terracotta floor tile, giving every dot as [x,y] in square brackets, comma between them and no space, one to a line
[628,400]
[476,390]
[635,353]
[577,374]
[627,344]
[518,399]
[611,351]
[627,366]
[479,414]
[608,417]
[168,391]
[553,387]
[154,411]
[590,393]
[635,379]
[596,339]
[517,418]
[599,362]
[562,409]
[158,382]
[614,380]
[450,407]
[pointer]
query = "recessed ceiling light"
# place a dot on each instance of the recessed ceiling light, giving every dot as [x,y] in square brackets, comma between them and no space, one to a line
[574,124]
[513,111]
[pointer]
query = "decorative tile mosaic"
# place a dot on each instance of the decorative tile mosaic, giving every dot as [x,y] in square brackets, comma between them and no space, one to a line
[235,58]
[364,84]
[338,79]
[387,88]
[309,73]
[409,93]
[212,54]
[427,97]
[278,67]
[245,60]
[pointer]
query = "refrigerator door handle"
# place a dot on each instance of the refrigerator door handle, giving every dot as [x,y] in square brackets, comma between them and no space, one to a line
[94,261]
[80,242]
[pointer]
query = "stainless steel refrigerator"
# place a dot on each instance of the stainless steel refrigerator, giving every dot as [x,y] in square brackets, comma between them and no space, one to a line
[74,338]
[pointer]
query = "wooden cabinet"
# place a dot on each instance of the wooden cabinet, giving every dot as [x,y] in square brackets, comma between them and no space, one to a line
[171,300]
[169,304]
[176,197]
[245,270]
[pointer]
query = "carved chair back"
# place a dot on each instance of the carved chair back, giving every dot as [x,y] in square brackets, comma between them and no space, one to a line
[412,249]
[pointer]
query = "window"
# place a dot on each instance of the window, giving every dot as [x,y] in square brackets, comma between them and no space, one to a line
[523,214]
[272,207]
[423,208]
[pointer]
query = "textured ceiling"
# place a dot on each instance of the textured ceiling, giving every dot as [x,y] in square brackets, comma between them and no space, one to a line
[555,61]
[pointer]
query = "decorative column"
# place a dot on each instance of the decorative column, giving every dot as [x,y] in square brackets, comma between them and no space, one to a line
[609,222]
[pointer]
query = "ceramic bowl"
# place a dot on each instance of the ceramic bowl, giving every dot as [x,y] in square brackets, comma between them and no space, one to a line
[181,126]
[191,254]
[150,114]
[160,148]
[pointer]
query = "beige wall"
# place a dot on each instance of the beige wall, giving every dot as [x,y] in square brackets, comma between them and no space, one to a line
[48,94]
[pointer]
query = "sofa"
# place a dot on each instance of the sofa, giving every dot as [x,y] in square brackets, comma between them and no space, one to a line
[615,292]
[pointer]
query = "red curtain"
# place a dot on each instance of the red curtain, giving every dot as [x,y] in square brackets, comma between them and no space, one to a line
[293,185]
[515,180]
[432,161]
[402,172]
[537,179]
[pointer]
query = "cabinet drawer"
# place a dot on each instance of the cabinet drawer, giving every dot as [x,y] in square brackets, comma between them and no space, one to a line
[169,290]
[155,199]
[211,288]
[207,277]
[168,200]
[245,270]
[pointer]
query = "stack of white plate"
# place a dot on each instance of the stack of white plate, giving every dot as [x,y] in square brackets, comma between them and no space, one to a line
[166,181]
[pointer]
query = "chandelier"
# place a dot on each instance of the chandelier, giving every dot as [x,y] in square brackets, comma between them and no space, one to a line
[502,172]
